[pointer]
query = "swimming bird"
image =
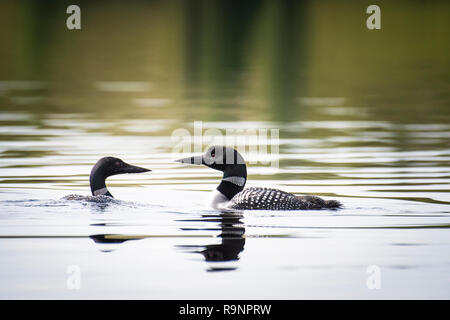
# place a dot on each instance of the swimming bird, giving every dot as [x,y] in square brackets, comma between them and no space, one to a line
[230,194]
[104,168]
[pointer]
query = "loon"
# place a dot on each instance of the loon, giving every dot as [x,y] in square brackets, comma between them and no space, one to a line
[230,194]
[104,168]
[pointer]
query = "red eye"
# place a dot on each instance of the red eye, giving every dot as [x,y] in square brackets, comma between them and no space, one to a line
[117,164]
[213,153]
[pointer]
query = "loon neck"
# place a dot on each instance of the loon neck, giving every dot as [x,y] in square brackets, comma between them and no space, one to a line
[233,182]
[98,185]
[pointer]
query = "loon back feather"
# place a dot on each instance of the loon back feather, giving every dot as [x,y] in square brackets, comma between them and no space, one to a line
[317,201]
[257,198]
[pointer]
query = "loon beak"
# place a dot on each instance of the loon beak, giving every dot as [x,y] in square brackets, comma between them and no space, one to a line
[128,168]
[192,160]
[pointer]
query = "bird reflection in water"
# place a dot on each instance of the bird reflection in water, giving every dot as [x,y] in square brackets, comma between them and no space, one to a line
[113,240]
[220,256]
[231,245]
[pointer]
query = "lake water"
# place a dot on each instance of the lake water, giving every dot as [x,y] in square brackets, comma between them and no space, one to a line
[368,125]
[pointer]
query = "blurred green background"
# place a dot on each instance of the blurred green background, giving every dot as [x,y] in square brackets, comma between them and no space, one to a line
[227,60]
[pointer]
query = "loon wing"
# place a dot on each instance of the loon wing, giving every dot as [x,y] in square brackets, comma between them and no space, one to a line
[257,198]
[98,199]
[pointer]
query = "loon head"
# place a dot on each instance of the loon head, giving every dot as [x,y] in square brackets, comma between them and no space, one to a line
[106,167]
[227,160]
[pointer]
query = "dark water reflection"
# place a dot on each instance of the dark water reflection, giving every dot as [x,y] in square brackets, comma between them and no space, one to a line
[231,235]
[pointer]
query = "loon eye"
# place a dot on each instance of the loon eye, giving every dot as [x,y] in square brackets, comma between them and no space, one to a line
[117,164]
[213,153]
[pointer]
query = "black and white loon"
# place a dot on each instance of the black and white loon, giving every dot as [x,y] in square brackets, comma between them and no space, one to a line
[104,168]
[230,194]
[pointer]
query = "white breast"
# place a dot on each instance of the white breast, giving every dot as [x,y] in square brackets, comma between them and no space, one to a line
[217,200]
[101,192]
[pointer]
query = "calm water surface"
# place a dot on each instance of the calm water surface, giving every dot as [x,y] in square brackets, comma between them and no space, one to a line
[363,118]
[158,241]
